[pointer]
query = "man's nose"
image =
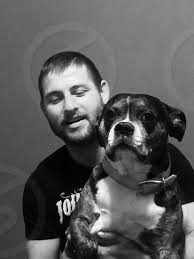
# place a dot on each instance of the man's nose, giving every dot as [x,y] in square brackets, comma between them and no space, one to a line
[70,104]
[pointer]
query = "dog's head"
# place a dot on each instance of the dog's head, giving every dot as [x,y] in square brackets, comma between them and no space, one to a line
[134,129]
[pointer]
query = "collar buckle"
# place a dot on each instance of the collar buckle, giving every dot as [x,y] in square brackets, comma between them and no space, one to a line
[155,185]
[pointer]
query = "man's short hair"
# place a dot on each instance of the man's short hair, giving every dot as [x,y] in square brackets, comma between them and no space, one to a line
[60,61]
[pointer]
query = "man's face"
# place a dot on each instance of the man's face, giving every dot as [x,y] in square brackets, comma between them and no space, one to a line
[72,103]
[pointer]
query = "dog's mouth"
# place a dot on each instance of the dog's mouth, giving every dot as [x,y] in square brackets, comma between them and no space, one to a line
[124,143]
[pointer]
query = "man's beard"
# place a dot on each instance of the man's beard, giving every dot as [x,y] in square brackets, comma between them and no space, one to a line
[89,135]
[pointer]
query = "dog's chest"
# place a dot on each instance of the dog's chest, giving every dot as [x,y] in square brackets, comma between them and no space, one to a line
[123,211]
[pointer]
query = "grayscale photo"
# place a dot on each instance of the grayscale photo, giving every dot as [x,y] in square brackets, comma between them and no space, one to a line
[97,118]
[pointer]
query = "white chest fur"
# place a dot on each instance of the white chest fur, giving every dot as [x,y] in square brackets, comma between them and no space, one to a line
[122,211]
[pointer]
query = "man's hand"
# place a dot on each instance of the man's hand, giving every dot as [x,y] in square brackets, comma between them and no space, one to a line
[121,244]
[114,246]
[43,249]
[188,225]
[110,246]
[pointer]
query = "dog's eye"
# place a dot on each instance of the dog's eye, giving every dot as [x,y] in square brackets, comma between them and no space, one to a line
[148,118]
[110,115]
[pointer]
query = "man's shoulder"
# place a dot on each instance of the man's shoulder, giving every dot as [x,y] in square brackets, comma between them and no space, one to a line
[178,158]
[55,162]
[58,156]
[184,171]
[58,169]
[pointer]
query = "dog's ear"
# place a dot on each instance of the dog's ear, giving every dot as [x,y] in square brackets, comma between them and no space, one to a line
[176,122]
[100,132]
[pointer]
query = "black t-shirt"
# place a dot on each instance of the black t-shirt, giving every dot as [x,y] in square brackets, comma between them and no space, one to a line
[50,195]
[54,187]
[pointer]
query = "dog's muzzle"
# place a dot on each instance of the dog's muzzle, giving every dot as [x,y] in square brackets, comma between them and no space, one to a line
[124,129]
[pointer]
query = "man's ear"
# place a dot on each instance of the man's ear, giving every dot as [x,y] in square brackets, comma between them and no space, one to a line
[104,91]
[43,107]
[100,132]
[176,122]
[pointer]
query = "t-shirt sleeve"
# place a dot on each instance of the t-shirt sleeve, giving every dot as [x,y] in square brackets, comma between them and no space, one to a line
[40,222]
[184,171]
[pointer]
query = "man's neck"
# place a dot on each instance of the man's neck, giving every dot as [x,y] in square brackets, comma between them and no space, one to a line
[88,154]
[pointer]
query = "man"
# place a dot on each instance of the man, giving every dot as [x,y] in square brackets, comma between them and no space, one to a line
[72,97]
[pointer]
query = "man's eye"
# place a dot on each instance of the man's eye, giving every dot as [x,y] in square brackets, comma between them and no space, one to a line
[54,100]
[80,92]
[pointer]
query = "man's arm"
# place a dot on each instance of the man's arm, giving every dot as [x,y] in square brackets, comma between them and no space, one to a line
[188,225]
[43,249]
[40,226]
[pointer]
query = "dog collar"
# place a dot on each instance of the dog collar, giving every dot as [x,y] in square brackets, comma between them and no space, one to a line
[154,185]
[158,183]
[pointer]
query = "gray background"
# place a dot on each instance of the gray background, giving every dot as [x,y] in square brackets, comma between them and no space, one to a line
[144,46]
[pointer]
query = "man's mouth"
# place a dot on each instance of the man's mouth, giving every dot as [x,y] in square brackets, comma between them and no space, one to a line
[74,120]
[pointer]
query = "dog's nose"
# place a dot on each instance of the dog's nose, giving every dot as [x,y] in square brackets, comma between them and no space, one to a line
[124,128]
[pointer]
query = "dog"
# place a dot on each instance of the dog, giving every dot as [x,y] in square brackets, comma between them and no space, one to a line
[133,191]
